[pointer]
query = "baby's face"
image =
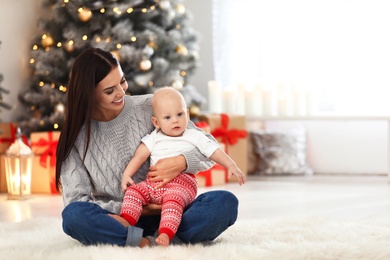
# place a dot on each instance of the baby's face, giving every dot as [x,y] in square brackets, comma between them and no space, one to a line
[171,116]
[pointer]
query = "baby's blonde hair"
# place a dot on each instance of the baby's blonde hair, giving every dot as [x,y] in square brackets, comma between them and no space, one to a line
[166,92]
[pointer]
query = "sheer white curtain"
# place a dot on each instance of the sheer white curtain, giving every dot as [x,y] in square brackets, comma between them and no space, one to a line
[338,48]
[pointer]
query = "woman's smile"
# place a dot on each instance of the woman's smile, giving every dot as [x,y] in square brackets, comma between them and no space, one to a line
[118,102]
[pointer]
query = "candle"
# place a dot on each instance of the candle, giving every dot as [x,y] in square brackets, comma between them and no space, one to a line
[311,103]
[215,97]
[299,102]
[269,98]
[258,100]
[282,106]
[241,107]
[285,99]
[229,101]
[250,103]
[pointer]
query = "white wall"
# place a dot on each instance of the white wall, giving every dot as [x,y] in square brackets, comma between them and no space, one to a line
[18,19]
[333,146]
[202,22]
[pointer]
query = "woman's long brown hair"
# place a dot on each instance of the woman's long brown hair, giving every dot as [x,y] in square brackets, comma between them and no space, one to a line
[88,69]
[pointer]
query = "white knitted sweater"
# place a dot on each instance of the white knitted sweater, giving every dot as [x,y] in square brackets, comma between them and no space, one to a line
[112,145]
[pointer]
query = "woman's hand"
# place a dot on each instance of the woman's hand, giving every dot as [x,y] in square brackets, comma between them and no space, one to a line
[167,169]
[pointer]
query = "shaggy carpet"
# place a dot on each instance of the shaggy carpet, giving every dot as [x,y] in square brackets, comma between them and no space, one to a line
[294,238]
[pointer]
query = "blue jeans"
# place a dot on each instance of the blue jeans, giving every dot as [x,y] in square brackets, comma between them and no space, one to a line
[203,220]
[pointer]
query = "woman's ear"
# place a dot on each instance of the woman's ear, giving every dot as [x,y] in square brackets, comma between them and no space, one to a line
[155,123]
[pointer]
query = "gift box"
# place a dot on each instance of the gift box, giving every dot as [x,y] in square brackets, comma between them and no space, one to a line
[204,126]
[43,178]
[217,175]
[230,130]
[7,136]
[44,147]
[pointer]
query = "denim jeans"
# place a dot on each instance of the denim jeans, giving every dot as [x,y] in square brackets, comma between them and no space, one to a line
[203,220]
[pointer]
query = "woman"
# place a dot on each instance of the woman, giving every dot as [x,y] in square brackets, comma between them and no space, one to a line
[101,132]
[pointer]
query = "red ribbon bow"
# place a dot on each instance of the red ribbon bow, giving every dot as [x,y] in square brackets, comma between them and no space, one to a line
[50,151]
[208,174]
[229,136]
[202,124]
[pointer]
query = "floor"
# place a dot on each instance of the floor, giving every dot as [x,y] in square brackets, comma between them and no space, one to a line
[261,197]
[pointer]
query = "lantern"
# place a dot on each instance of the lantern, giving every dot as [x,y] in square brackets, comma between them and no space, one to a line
[18,166]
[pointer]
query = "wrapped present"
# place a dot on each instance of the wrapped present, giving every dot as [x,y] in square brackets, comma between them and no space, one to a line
[7,136]
[204,126]
[230,130]
[44,147]
[217,175]
[43,178]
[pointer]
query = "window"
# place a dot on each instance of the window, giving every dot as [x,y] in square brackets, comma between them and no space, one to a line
[340,49]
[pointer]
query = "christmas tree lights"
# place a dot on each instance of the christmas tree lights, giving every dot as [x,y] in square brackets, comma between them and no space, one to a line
[151,39]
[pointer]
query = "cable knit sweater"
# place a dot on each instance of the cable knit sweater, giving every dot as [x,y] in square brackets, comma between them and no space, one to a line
[112,145]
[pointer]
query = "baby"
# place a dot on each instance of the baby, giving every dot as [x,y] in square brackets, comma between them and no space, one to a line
[170,138]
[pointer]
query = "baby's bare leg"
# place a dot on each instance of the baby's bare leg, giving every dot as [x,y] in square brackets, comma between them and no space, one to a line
[162,239]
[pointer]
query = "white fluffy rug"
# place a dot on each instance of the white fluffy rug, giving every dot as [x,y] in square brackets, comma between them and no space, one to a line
[297,238]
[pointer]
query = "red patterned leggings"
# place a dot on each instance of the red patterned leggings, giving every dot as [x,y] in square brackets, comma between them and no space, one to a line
[174,197]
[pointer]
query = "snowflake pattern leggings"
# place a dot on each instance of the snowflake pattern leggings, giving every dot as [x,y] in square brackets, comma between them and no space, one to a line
[173,197]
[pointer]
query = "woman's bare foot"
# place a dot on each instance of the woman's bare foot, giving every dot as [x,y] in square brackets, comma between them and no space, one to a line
[162,239]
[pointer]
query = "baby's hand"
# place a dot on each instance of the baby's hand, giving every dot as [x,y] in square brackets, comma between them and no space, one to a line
[234,170]
[126,182]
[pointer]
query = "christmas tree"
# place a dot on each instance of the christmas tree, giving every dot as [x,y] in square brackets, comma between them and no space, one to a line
[152,40]
[3,91]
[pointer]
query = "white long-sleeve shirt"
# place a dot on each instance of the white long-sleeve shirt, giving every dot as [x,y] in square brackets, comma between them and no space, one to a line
[163,146]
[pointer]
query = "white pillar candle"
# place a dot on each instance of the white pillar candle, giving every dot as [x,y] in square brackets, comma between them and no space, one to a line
[269,98]
[299,102]
[284,99]
[258,100]
[290,101]
[229,101]
[240,99]
[282,105]
[215,97]
[250,103]
[311,102]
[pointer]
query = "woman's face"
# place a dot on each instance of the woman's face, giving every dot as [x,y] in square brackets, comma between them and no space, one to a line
[109,95]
